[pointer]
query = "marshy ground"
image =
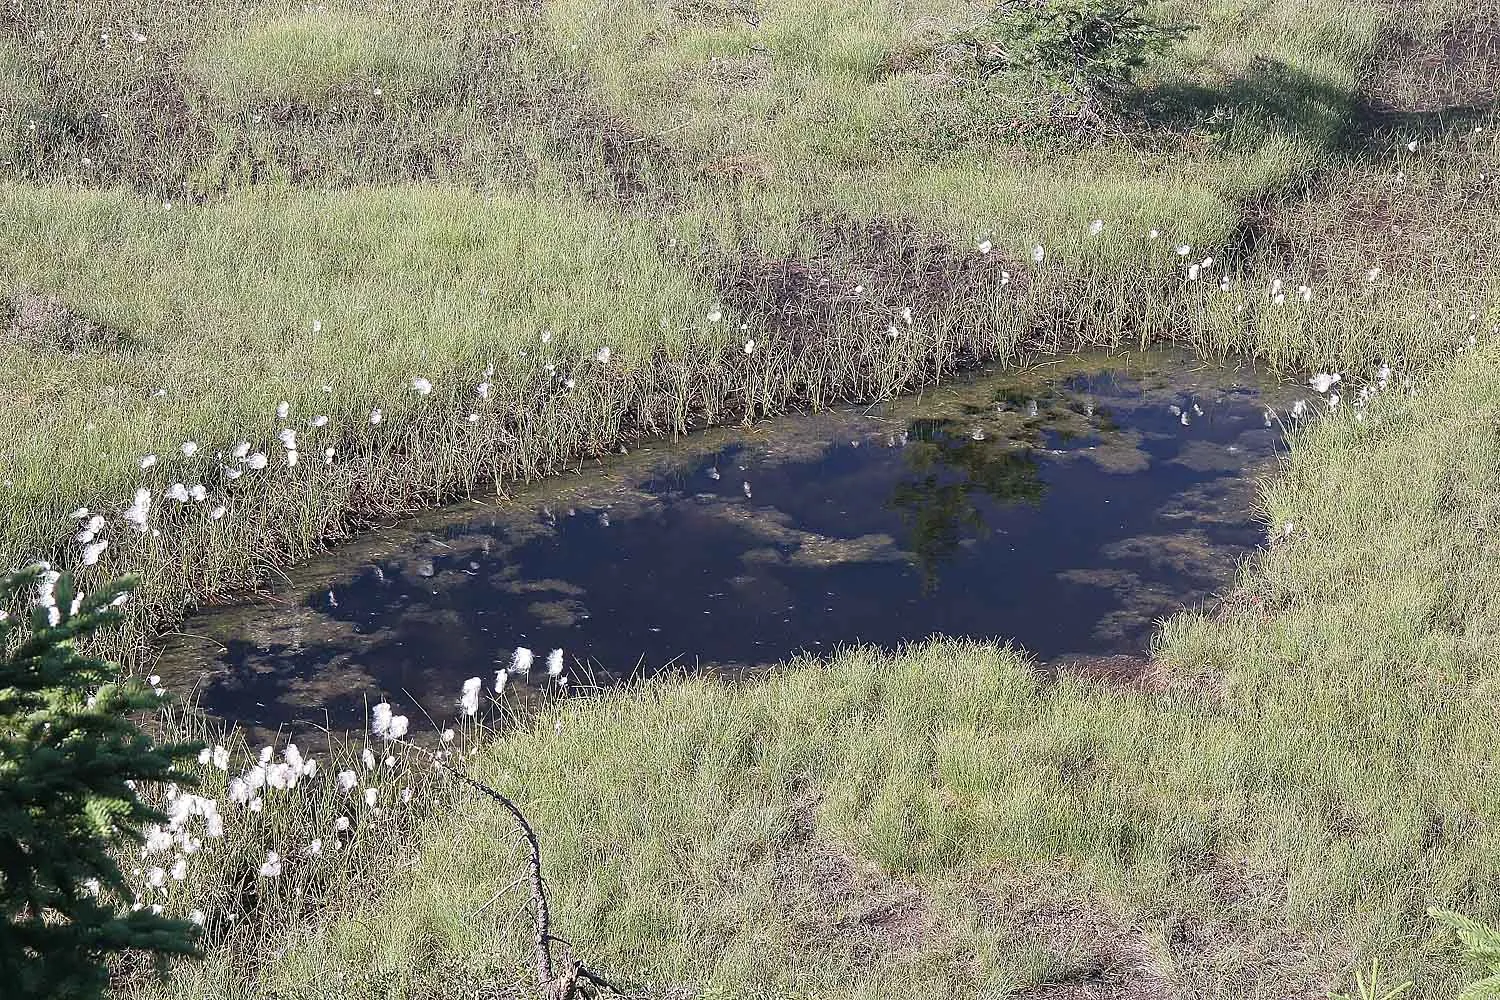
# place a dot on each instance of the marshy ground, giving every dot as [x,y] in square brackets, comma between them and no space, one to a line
[223,224]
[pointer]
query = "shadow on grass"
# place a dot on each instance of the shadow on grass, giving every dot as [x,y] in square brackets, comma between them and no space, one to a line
[1272,98]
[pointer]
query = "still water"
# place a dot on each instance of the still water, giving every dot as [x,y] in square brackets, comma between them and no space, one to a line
[1067,509]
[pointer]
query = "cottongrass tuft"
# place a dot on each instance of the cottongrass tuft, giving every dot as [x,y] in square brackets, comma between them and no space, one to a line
[386,725]
[468,702]
[135,515]
[90,530]
[521,660]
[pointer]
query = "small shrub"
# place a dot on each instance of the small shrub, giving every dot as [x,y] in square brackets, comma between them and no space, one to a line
[43,322]
[70,754]
[1086,46]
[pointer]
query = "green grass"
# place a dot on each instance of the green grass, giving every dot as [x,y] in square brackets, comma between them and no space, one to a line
[1311,771]
[311,56]
[201,188]
[616,174]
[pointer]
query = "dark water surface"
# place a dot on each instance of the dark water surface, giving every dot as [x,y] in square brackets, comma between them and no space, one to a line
[1066,509]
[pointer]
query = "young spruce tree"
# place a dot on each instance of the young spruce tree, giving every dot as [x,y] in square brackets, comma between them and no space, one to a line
[70,753]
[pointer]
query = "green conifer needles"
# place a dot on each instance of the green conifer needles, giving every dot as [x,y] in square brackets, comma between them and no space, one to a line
[71,752]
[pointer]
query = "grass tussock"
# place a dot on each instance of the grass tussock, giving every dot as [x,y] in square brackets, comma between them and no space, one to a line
[318,55]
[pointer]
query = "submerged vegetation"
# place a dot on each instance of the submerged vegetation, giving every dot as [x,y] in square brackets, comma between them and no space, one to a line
[270,272]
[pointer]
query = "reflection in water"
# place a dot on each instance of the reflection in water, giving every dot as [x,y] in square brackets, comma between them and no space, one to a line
[1067,514]
[948,470]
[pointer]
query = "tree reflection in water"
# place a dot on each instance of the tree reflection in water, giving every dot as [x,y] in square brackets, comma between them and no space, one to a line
[948,470]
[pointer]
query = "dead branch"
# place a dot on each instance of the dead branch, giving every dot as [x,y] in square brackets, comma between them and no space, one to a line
[555,980]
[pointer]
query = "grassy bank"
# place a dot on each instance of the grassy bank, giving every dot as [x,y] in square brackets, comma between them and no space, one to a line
[1276,801]
[212,209]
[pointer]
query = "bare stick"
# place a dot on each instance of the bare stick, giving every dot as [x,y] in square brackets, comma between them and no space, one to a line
[552,986]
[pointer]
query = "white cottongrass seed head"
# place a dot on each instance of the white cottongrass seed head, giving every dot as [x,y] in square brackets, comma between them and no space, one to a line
[468,702]
[1323,381]
[380,719]
[137,511]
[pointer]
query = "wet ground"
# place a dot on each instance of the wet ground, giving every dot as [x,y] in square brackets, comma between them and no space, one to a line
[1067,508]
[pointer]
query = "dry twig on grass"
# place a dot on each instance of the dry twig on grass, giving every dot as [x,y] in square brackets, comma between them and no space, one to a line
[556,980]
